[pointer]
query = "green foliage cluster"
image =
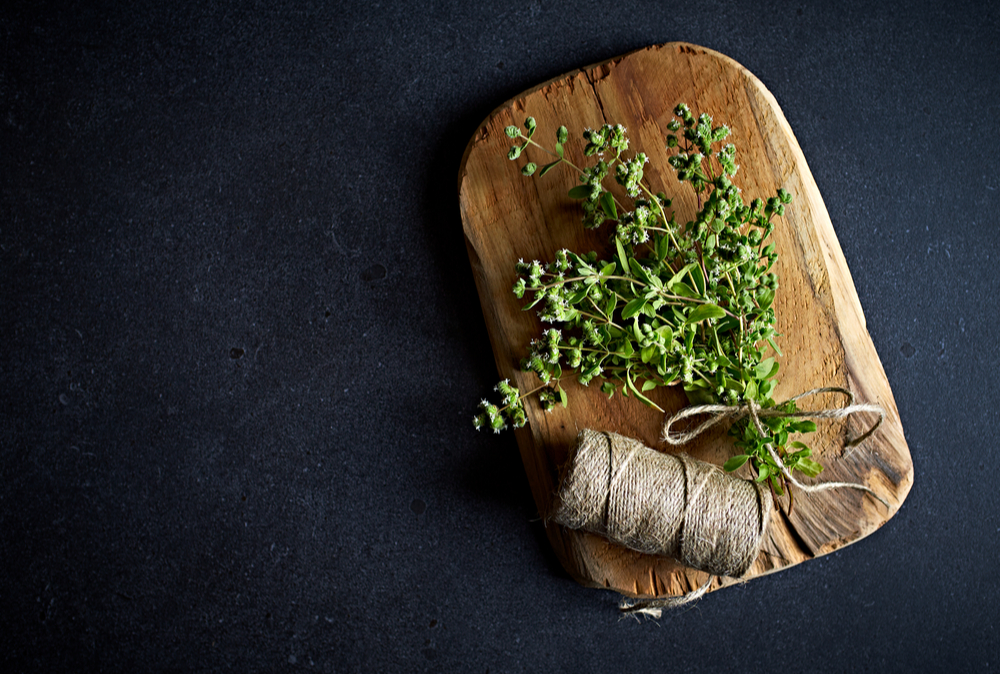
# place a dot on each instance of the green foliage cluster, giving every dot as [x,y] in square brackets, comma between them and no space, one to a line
[676,304]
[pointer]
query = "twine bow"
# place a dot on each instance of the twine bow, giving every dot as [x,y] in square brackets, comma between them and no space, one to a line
[721,413]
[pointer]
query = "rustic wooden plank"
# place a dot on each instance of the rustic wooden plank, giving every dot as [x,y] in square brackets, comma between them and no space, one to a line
[825,342]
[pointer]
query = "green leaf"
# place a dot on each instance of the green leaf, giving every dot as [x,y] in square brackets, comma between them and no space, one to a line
[699,279]
[635,391]
[809,467]
[538,298]
[576,259]
[679,275]
[639,271]
[765,298]
[632,308]
[774,423]
[562,397]
[774,346]
[609,269]
[766,369]
[689,340]
[636,330]
[609,307]
[735,463]
[766,388]
[684,290]
[547,168]
[608,389]
[622,257]
[608,205]
[804,426]
[704,312]
[699,396]
[627,348]
[774,370]
[727,324]
[764,471]
[665,332]
[648,385]
[647,353]
[662,247]
[580,192]
[559,149]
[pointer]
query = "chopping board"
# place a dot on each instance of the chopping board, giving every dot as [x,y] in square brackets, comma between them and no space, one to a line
[507,216]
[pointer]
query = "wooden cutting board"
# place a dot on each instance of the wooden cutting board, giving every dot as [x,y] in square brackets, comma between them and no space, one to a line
[507,216]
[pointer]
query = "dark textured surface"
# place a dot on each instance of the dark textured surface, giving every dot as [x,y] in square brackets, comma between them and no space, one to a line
[242,345]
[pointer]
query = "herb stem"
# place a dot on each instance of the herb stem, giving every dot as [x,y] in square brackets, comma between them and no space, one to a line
[723,367]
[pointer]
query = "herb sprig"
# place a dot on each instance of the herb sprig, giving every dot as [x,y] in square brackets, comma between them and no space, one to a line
[676,304]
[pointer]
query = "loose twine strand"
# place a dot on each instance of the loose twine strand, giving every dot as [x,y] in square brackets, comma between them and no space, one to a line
[674,505]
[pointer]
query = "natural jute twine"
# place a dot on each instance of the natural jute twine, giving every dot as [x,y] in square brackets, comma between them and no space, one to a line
[673,505]
[663,504]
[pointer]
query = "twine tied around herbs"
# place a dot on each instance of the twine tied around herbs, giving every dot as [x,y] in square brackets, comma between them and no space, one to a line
[677,506]
[736,412]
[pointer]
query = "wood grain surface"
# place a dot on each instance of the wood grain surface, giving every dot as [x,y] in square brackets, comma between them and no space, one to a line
[825,343]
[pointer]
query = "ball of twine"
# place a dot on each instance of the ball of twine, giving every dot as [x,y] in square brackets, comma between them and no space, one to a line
[663,504]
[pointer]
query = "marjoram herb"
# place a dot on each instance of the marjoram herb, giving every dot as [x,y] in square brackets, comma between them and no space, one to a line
[676,305]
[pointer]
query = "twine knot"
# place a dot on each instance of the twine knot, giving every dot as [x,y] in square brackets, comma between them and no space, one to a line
[718,413]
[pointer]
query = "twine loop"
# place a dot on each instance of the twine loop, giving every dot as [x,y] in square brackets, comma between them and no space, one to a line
[719,413]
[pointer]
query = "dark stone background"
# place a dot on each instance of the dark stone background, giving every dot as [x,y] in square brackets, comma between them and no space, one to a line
[242,345]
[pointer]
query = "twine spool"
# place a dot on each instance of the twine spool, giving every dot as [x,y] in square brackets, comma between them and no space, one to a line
[663,504]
